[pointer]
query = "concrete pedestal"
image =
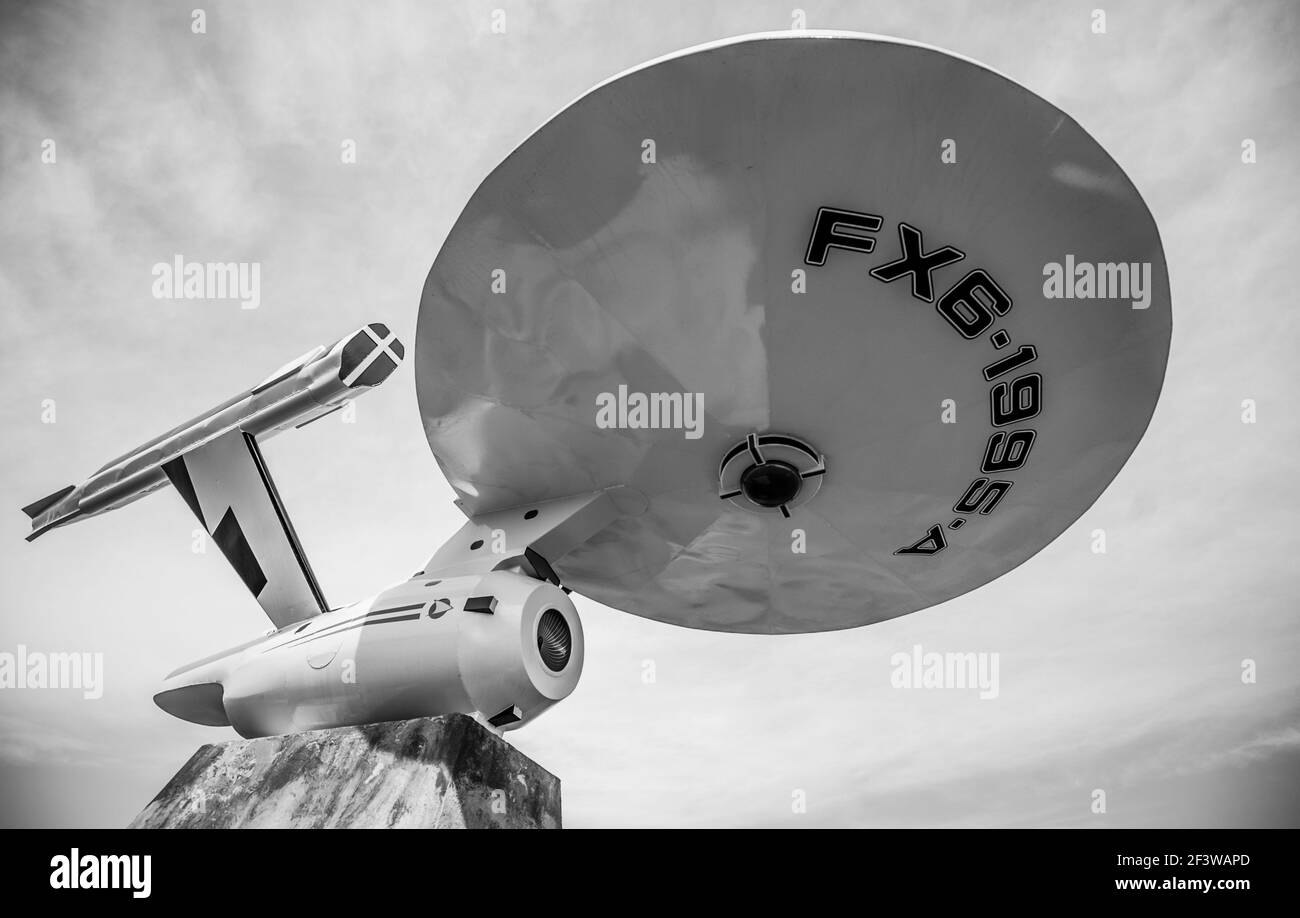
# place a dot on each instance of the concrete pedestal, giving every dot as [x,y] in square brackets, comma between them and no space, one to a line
[433,773]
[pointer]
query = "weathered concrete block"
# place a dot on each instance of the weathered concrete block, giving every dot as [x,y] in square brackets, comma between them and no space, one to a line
[434,773]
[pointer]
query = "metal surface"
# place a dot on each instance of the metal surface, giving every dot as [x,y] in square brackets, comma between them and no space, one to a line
[526,538]
[300,392]
[583,264]
[470,644]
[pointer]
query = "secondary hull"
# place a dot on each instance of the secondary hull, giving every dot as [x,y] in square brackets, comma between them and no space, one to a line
[503,644]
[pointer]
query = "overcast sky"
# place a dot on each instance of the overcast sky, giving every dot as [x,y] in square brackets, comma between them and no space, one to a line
[1119,671]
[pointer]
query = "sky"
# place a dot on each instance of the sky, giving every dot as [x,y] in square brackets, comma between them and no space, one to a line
[1119,671]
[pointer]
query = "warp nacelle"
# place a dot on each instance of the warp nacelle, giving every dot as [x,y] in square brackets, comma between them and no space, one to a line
[303,390]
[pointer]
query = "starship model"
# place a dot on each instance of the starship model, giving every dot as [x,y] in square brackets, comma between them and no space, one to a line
[771,335]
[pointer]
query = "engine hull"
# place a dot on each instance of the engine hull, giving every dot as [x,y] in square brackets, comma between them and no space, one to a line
[502,645]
